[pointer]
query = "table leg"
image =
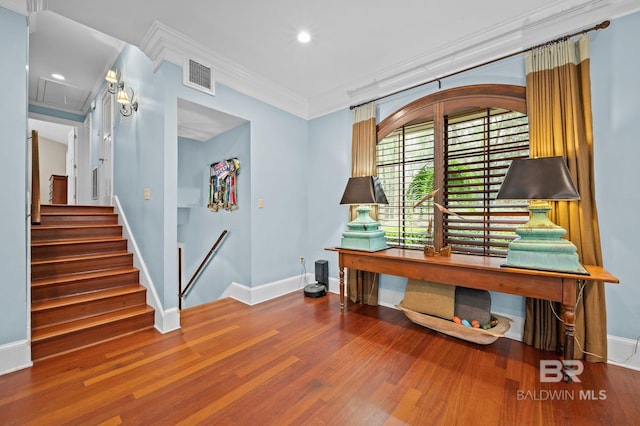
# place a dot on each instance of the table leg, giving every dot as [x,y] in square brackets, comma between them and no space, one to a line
[569,326]
[341,289]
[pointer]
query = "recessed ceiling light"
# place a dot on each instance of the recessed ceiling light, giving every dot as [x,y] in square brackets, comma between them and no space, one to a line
[304,37]
[57,76]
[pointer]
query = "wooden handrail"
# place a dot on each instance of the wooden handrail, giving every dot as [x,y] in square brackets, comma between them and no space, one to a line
[35,179]
[195,274]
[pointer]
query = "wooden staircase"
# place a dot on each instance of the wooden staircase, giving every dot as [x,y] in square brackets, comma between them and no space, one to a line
[84,288]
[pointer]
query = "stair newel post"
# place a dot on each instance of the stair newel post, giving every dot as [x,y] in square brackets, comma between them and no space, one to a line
[35,179]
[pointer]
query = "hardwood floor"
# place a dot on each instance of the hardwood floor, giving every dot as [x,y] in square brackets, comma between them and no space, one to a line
[298,361]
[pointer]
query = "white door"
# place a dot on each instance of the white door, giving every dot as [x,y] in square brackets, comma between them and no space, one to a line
[105,165]
[71,167]
[83,163]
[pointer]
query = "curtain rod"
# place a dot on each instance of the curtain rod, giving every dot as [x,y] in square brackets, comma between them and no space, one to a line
[600,26]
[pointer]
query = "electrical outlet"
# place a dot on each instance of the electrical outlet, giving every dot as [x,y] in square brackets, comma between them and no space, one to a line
[301,259]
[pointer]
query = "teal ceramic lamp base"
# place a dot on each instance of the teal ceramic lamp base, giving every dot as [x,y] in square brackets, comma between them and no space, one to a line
[363,233]
[540,245]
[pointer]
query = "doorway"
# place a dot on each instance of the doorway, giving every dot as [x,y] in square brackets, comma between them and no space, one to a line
[207,136]
[64,151]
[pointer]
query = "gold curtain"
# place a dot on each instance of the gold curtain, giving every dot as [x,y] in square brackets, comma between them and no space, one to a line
[560,123]
[363,163]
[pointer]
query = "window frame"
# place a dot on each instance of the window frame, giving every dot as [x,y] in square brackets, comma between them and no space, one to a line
[436,107]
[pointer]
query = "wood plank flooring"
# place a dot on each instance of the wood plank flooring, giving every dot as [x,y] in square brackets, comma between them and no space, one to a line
[298,361]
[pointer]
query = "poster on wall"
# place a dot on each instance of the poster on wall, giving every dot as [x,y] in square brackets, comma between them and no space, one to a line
[223,189]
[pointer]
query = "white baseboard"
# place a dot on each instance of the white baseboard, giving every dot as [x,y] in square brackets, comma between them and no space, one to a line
[239,292]
[334,285]
[164,320]
[264,292]
[15,356]
[623,352]
[516,331]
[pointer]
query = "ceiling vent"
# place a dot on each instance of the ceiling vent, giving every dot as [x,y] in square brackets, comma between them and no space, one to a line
[199,76]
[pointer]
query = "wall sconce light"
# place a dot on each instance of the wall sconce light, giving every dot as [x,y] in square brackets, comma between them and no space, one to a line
[113,79]
[116,86]
[128,104]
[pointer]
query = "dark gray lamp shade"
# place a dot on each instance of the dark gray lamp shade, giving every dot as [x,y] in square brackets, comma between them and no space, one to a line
[364,190]
[546,178]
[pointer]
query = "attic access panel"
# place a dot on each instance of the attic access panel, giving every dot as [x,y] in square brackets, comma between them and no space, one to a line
[62,95]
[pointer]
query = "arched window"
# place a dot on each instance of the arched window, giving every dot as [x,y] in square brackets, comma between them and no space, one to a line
[459,143]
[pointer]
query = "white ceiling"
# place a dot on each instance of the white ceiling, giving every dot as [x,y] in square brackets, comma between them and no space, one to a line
[82,55]
[52,131]
[200,123]
[360,49]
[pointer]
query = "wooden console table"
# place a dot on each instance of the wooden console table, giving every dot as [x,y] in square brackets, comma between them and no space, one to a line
[481,272]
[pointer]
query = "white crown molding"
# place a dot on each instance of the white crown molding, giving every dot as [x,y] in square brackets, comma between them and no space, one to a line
[25,7]
[19,6]
[162,43]
[546,23]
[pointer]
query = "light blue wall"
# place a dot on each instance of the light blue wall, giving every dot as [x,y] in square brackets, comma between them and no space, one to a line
[279,152]
[139,163]
[199,228]
[615,65]
[13,175]
[146,155]
[616,103]
[328,170]
[279,161]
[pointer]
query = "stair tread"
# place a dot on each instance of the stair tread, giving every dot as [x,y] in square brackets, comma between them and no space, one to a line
[79,225]
[85,297]
[70,241]
[55,330]
[64,259]
[76,206]
[80,276]
[78,213]
[80,230]
[81,269]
